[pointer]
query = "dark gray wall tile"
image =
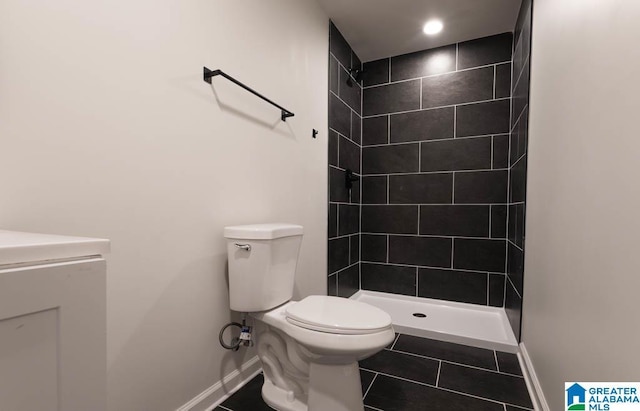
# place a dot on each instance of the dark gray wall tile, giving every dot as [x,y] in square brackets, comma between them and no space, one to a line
[354,251]
[339,116]
[338,193]
[518,182]
[523,132]
[390,219]
[422,125]
[374,247]
[486,50]
[517,224]
[481,187]
[503,80]
[389,278]
[496,290]
[356,128]
[511,224]
[513,308]
[391,98]
[350,94]
[479,255]
[338,46]
[515,267]
[334,74]
[426,251]
[376,72]
[498,221]
[349,281]
[349,155]
[455,220]
[521,22]
[420,188]
[348,219]
[355,192]
[333,220]
[501,151]
[459,87]
[520,95]
[423,63]
[482,118]
[401,158]
[375,130]
[374,190]
[333,148]
[451,285]
[459,154]
[338,254]
[332,285]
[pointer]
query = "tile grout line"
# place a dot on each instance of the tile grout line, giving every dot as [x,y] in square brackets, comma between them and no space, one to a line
[495,69]
[488,288]
[370,385]
[388,247]
[395,341]
[495,356]
[390,82]
[459,364]
[427,267]
[417,110]
[438,376]
[432,140]
[441,388]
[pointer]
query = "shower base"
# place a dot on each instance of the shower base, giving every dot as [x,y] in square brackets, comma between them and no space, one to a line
[469,324]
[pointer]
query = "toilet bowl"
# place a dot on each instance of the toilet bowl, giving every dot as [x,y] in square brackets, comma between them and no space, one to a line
[309,349]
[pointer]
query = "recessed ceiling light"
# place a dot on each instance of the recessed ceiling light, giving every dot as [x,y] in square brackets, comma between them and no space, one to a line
[432,27]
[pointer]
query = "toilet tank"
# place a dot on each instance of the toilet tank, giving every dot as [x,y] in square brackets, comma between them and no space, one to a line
[262,264]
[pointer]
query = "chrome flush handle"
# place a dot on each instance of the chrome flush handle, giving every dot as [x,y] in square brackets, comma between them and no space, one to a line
[245,247]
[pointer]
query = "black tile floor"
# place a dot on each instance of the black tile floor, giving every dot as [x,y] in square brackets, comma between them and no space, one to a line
[421,374]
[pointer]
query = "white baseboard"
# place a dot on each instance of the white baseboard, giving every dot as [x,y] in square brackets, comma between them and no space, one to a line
[533,384]
[210,398]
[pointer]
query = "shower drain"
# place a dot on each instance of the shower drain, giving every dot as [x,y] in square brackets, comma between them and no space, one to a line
[419,315]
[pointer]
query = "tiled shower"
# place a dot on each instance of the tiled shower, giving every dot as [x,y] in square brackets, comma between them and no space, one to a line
[438,140]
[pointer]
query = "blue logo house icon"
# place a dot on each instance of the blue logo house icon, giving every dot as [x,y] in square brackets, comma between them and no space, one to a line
[575,395]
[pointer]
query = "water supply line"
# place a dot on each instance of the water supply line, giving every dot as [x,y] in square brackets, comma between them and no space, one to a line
[245,338]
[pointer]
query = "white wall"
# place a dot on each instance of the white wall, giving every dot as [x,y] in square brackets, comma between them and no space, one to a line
[107,130]
[582,265]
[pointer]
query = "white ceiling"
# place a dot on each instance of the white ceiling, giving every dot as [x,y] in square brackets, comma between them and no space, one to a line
[383,28]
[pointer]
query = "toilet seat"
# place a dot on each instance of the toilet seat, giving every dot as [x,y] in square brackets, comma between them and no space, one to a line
[337,315]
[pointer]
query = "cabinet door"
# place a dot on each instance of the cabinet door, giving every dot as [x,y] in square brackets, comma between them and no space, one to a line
[53,337]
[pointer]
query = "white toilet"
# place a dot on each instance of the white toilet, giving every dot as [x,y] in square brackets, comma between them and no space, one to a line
[309,349]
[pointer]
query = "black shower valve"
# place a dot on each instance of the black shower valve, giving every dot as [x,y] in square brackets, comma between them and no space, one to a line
[349,178]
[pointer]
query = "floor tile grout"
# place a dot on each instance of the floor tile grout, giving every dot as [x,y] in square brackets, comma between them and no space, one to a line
[442,388]
[456,363]
[370,385]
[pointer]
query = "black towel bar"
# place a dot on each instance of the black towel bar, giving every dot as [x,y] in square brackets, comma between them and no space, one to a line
[211,73]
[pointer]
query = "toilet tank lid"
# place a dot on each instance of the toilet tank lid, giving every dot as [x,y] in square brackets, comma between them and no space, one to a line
[262,231]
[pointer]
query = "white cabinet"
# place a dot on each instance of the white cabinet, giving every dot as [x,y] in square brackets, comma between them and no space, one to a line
[52,323]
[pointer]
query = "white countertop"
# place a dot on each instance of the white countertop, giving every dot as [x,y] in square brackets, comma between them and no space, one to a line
[18,247]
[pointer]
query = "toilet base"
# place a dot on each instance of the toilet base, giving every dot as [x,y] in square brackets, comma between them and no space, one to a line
[335,388]
[332,387]
[279,399]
